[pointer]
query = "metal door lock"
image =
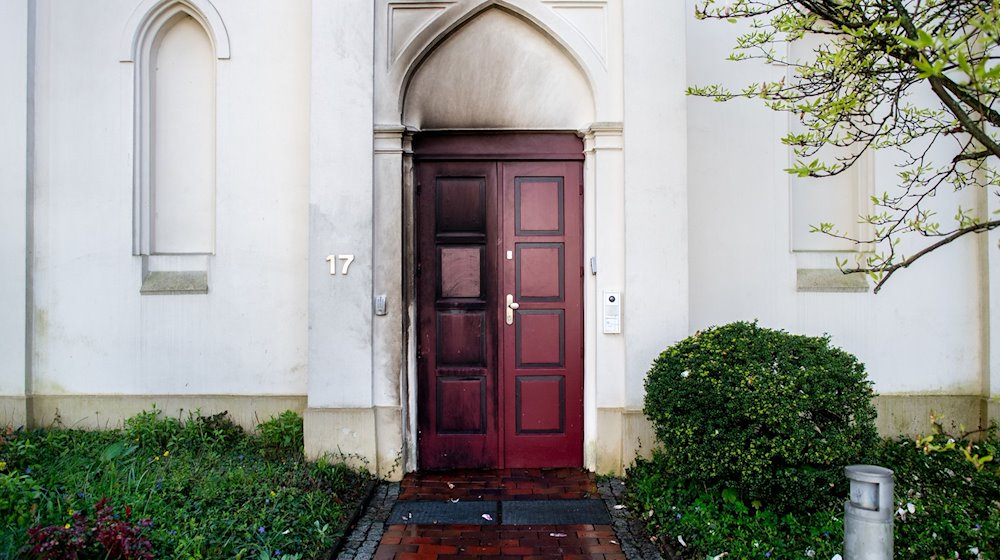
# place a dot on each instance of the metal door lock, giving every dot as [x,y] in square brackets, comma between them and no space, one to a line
[511,306]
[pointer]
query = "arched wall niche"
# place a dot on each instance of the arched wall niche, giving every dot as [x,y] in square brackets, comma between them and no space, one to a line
[454,22]
[149,18]
[498,71]
[168,197]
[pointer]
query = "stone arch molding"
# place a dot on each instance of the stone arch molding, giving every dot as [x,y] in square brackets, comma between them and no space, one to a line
[150,15]
[150,20]
[404,65]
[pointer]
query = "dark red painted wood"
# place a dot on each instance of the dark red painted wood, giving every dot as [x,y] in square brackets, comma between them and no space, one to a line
[493,395]
[523,146]
[456,337]
[541,357]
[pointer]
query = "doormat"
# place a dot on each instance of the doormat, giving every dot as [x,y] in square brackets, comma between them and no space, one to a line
[444,513]
[519,512]
[556,512]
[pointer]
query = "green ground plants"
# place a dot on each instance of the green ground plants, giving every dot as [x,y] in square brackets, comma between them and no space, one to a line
[197,487]
[755,427]
[945,508]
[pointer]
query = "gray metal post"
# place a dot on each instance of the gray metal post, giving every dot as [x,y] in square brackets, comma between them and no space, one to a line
[868,515]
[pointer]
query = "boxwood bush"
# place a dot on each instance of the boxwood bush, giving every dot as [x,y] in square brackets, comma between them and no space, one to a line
[763,413]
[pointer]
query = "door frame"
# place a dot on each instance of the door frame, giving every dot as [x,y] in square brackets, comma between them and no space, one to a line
[521,146]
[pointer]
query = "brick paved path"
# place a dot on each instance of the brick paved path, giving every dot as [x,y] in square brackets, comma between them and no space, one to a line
[467,542]
[505,484]
[523,542]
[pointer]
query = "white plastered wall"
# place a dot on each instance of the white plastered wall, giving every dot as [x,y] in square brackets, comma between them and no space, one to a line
[14,115]
[656,200]
[97,341]
[920,336]
[341,416]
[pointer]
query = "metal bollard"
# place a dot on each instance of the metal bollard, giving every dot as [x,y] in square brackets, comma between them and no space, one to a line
[868,515]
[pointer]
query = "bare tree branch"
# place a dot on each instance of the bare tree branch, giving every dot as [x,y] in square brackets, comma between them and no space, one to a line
[905,263]
[977,132]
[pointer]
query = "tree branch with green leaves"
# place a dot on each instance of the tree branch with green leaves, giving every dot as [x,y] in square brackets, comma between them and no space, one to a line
[858,90]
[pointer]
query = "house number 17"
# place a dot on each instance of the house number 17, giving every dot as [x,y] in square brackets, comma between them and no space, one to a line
[346,259]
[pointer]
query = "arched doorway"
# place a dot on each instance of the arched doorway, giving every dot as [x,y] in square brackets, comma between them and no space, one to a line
[498,247]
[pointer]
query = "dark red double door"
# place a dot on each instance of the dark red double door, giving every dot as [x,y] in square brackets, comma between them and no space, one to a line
[499,295]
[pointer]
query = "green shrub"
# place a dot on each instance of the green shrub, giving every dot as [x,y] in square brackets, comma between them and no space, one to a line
[947,503]
[150,430]
[770,415]
[209,432]
[19,494]
[692,523]
[282,434]
[945,507]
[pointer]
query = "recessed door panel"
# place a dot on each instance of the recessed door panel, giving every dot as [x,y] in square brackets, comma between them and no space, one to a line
[456,327]
[540,338]
[461,274]
[499,313]
[542,355]
[539,271]
[538,206]
[540,404]
[460,204]
[461,405]
[461,339]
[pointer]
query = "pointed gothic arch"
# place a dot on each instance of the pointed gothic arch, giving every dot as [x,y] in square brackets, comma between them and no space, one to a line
[595,67]
[151,15]
[498,70]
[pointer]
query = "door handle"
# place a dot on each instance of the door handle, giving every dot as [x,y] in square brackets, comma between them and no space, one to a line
[511,306]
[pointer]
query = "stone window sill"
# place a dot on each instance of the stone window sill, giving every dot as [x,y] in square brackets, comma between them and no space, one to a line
[830,281]
[175,282]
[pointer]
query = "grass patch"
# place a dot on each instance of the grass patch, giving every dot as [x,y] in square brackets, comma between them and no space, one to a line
[195,488]
[947,505]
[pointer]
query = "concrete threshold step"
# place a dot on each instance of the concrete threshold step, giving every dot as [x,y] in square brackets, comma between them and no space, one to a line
[514,512]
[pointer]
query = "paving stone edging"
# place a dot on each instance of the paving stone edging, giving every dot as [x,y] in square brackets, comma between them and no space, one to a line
[631,534]
[364,539]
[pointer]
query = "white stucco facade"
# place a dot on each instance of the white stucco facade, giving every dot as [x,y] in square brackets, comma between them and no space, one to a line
[687,213]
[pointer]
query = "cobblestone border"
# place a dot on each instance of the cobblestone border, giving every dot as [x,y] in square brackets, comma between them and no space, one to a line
[364,539]
[630,532]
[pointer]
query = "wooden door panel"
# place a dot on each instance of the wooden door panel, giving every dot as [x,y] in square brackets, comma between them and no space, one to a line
[540,404]
[540,271]
[456,354]
[460,204]
[541,354]
[539,338]
[538,206]
[461,405]
[461,340]
[461,271]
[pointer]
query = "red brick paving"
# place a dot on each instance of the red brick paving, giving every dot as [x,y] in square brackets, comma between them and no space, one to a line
[482,542]
[497,485]
[454,542]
